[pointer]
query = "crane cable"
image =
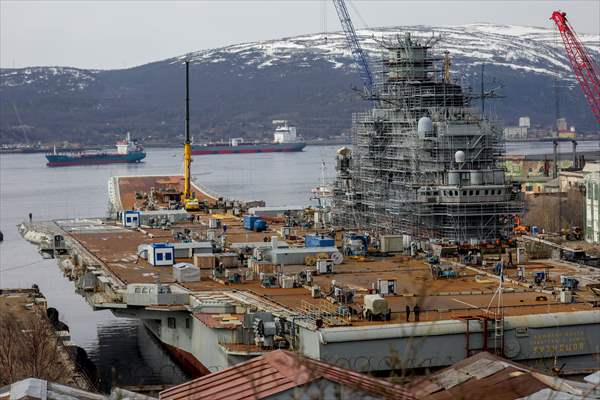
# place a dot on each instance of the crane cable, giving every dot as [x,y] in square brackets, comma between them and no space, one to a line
[362,20]
[324,19]
[23,265]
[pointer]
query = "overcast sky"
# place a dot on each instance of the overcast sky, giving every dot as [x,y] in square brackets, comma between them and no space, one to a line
[119,34]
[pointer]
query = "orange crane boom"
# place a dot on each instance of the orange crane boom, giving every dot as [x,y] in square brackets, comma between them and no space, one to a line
[585,69]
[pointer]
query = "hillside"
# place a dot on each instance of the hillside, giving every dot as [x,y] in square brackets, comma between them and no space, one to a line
[237,90]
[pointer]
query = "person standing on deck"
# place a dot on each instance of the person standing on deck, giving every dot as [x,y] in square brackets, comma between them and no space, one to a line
[416,310]
[407,313]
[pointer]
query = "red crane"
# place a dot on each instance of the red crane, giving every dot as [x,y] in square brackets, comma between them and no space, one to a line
[584,67]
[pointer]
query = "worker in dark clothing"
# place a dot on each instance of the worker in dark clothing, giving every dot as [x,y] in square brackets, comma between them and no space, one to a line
[417,310]
[407,313]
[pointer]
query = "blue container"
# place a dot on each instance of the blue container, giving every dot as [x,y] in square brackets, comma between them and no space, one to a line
[249,221]
[260,225]
[534,230]
[318,241]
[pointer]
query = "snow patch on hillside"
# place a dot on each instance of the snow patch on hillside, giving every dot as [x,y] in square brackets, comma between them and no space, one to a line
[68,78]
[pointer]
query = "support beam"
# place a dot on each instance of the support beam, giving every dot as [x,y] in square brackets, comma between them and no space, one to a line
[555,166]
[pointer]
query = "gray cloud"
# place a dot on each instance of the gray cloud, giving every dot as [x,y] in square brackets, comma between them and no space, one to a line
[116,34]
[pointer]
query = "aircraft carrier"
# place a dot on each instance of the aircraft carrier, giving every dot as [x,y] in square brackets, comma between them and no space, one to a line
[419,269]
[235,288]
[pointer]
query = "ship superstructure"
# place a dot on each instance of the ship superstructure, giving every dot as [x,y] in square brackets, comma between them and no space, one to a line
[423,162]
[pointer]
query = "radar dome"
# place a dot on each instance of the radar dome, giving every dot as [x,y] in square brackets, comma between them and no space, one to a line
[459,156]
[344,151]
[425,126]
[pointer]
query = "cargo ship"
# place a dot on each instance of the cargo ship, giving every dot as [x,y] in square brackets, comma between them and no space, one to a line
[128,151]
[285,140]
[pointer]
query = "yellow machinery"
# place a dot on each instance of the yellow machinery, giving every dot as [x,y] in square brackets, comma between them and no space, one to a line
[190,202]
[447,64]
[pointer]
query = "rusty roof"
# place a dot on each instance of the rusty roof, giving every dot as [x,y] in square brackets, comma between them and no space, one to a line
[486,376]
[276,372]
[220,321]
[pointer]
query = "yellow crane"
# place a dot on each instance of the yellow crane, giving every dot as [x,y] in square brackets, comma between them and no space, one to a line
[447,64]
[190,202]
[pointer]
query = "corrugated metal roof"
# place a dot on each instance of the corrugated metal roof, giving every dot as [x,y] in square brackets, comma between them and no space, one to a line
[277,372]
[485,376]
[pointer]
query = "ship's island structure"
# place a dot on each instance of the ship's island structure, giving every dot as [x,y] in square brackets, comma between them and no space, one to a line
[423,162]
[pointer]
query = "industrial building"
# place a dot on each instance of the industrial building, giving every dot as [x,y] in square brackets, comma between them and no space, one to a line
[423,163]
[518,132]
[592,207]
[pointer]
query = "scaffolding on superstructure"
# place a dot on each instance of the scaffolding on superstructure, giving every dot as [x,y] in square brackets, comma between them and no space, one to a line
[423,162]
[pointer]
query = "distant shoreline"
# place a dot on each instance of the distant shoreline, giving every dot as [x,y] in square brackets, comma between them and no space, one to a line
[148,146]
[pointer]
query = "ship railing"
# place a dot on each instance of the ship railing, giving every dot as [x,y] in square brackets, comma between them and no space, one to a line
[208,192]
[329,314]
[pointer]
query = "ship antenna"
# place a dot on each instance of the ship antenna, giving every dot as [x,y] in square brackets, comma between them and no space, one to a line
[187,158]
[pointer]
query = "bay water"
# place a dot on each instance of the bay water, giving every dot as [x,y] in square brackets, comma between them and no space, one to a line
[122,349]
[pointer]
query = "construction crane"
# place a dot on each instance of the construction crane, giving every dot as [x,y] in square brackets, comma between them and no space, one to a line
[585,69]
[190,202]
[357,52]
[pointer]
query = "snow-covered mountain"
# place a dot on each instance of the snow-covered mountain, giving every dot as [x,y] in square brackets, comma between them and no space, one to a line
[237,90]
[531,49]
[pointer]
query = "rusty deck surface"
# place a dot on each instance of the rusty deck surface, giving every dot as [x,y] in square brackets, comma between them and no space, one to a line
[130,185]
[470,293]
[438,298]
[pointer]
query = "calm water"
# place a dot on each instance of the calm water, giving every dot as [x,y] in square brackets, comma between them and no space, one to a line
[121,348]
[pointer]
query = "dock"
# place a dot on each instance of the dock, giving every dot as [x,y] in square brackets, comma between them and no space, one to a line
[34,343]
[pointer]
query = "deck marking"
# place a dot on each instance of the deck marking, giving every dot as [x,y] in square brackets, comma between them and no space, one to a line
[464,302]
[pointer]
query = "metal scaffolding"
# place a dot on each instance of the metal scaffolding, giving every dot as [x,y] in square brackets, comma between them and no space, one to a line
[423,162]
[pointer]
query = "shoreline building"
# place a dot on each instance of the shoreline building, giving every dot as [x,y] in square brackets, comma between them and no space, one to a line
[423,162]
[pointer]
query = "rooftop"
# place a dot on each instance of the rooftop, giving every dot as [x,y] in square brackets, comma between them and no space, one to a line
[282,371]
[32,388]
[486,376]
[469,293]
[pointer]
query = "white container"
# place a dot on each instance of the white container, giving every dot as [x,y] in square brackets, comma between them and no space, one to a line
[566,296]
[386,286]
[324,266]
[160,254]
[376,304]
[406,240]
[391,243]
[186,272]
[287,282]
[131,219]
